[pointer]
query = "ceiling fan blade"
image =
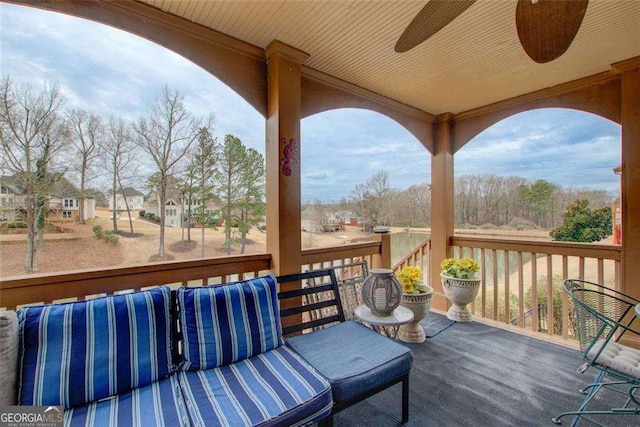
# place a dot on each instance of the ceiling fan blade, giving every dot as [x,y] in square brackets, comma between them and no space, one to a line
[436,15]
[547,28]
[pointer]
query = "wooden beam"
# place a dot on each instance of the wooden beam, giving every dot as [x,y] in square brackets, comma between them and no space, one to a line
[284,240]
[442,211]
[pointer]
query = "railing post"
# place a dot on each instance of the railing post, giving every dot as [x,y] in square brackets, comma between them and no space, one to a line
[383,260]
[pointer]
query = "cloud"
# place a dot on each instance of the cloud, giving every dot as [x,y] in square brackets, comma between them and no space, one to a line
[114,73]
[567,147]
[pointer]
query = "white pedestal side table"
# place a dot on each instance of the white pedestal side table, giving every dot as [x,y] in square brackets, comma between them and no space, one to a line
[398,317]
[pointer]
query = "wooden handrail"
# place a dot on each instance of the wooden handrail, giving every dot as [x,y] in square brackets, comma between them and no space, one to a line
[422,248]
[342,252]
[554,318]
[19,290]
[587,250]
[78,284]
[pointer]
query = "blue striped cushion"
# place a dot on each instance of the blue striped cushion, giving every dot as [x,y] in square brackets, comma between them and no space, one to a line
[276,387]
[227,323]
[157,404]
[83,351]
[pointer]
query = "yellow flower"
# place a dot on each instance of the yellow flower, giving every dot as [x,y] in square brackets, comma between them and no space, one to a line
[463,268]
[411,279]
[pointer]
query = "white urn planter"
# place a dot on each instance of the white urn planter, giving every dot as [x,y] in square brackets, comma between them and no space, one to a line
[460,292]
[419,304]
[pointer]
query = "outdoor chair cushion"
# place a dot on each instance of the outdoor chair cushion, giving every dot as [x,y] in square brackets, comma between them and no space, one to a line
[354,358]
[157,404]
[8,357]
[227,323]
[79,352]
[617,357]
[273,388]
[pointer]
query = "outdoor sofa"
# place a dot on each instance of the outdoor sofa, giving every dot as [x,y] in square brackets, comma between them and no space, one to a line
[196,356]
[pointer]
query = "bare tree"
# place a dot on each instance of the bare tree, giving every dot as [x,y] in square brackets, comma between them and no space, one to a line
[86,131]
[120,158]
[166,133]
[32,133]
[372,199]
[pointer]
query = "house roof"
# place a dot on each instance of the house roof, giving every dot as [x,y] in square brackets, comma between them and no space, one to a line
[60,187]
[12,184]
[474,61]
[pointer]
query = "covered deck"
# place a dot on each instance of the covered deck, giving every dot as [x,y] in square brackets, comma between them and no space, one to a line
[291,60]
[477,374]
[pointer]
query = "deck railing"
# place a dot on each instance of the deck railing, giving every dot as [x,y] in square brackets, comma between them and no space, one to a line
[418,257]
[507,270]
[83,284]
[520,278]
[335,256]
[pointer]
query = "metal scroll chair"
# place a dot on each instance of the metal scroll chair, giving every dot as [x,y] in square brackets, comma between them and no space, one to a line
[349,278]
[604,319]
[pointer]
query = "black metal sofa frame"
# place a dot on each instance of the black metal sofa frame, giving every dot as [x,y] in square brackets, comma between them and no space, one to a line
[328,285]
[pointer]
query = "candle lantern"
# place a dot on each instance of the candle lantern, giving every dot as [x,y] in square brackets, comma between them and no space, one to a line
[381,291]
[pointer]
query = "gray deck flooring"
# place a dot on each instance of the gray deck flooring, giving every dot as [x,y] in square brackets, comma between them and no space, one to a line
[477,375]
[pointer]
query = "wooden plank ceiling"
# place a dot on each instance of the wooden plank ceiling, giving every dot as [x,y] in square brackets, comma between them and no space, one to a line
[474,61]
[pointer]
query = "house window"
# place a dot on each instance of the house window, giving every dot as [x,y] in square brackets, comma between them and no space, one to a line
[68,203]
[66,214]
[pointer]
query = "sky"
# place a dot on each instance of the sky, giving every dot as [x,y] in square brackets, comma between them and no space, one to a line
[113,73]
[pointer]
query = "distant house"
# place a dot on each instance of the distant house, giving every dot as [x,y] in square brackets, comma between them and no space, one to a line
[63,200]
[177,207]
[128,196]
[349,218]
[11,198]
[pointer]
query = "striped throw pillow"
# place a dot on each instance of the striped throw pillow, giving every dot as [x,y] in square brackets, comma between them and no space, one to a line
[80,352]
[227,323]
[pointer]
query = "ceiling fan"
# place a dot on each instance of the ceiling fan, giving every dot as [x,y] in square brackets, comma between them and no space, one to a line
[546,28]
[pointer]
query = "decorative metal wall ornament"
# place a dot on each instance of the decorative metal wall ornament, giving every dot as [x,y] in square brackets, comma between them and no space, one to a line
[289,155]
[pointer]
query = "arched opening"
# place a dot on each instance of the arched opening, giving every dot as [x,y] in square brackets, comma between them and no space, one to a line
[570,149]
[110,73]
[361,162]
[529,182]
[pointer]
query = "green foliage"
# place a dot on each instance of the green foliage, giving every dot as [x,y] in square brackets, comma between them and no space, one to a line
[513,305]
[107,235]
[97,230]
[111,238]
[462,268]
[11,225]
[541,292]
[582,224]
[142,213]
[557,293]
[539,197]
[240,180]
